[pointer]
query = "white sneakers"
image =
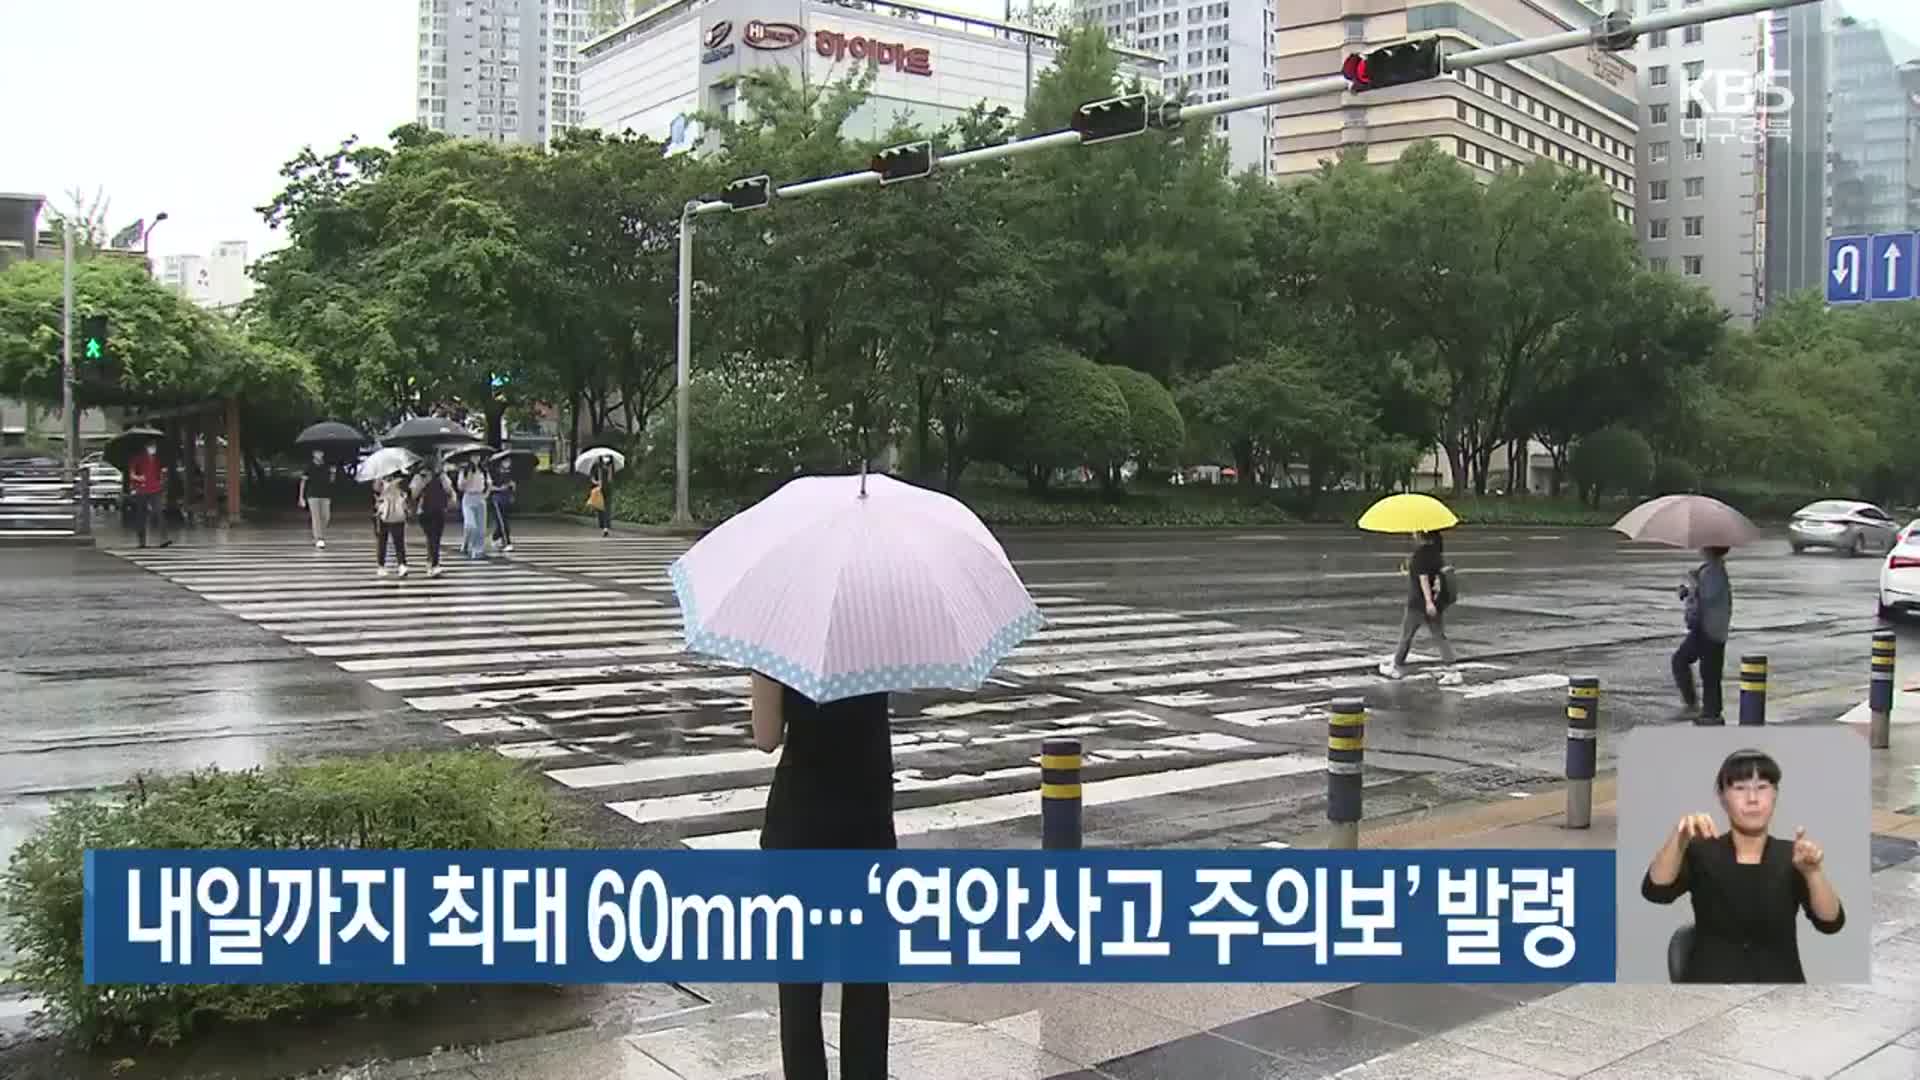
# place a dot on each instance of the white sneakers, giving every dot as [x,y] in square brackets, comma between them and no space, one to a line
[1447,676]
[320,544]
[380,571]
[403,570]
[508,546]
[435,570]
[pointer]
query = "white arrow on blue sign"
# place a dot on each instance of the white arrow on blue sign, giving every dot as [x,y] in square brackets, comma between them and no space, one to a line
[1847,269]
[1892,267]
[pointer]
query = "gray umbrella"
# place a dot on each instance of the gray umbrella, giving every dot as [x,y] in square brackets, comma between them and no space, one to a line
[425,431]
[1687,521]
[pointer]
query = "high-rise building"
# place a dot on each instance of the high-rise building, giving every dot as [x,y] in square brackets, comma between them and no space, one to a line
[1796,173]
[1872,182]
[217,281]
[503,70]
[1575,107]
[1215,49]
[1702,152]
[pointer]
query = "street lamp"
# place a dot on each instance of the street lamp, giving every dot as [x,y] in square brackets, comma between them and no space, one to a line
[148,233]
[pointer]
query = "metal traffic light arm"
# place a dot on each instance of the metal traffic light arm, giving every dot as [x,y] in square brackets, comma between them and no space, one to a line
[1609,32]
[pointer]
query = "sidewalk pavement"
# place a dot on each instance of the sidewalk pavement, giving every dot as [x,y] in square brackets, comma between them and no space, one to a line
[1355,1032]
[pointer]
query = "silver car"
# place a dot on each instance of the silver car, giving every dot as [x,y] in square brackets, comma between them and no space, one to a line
[1839,525]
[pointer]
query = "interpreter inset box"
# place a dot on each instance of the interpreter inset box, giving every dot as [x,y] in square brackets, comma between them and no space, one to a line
[1744,855]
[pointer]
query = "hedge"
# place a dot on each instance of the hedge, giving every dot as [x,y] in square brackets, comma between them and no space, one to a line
[423,800]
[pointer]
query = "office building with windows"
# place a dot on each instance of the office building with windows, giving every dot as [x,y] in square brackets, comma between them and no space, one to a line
[503,70]
[656,73]
[1796,159]
[1215,49]
[1575,107]
[1873,182]
[1702,154]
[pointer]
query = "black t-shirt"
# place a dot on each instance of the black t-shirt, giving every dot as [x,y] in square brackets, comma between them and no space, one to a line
[1426,562]
[1745,925]
[320,481]
[833,788]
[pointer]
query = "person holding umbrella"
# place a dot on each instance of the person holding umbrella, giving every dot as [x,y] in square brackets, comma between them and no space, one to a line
[1713,528]
[502,497]
[474,487]
[147,480]
[600,463]
[434,496]
[316,496]
[837,591]
[1429,588]
[322,481]
[390,510]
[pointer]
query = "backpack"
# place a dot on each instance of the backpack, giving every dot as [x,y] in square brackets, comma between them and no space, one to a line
[1449,589]
[434,498]
[392,503]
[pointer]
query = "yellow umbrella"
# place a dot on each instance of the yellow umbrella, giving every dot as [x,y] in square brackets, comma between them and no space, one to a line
[1408,514]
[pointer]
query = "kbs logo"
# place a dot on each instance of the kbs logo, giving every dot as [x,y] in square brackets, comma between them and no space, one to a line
[772,35]
[1733,92]
[717,34]
[907,61]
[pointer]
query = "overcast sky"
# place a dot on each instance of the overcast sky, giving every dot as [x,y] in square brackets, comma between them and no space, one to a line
[191,106]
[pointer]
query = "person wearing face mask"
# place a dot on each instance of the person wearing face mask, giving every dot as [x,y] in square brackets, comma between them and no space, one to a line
[147,478]
[316,495]
[1748,886]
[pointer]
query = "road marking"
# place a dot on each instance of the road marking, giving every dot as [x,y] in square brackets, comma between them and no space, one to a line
[417,584]
[993,809]
[1073,633]
[1278,714]
[1129,662]
[1504,687]
[1082,648]
[1166,679]
[482,648]
[522,656]
[583,622]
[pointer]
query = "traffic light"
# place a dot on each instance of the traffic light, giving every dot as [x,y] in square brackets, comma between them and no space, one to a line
[910,162]
[751,193]
[1614,32]
[1395,65]
[1114,118]
[93,338]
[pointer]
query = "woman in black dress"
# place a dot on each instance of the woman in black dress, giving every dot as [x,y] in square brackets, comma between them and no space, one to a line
[1747,885]
[833,789]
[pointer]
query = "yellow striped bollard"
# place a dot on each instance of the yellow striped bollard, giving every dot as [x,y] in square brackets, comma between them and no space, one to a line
[1753,691]
[1880,692]
[1583,749]
[1346,753]
[1060,794]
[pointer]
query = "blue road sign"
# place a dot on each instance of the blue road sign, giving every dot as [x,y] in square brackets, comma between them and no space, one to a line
[1892,267]
[1846,269]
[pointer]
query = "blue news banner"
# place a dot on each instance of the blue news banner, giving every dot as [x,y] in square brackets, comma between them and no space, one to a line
[914,916]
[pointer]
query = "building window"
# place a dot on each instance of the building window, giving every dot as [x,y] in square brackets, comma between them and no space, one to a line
[1657,39]
[1696,149]
[1480,155]
[1656,191]
[1460,109]
[1657,151]
[1692,265]
[1696,187]
[1657,228]
[1693,226]
[1657,114]
[1657,75]
[1693,35]
[1479,82]
[1694,112]
[1657,265]
[1460,149]
[1695,68]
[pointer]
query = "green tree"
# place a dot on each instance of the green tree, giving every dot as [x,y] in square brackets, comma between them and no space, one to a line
[1612,460]
[1063,411]
[1156,433]
[1269,413]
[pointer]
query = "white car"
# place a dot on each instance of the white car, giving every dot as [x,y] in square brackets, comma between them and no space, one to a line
[1900,574]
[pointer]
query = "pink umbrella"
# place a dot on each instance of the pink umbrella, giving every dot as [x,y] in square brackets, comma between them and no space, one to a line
[1687,521]
[845,585]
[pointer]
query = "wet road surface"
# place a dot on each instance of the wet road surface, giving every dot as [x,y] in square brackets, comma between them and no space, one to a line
[1195,667]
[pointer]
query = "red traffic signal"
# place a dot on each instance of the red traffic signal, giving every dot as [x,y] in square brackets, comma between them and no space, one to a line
[1395,65]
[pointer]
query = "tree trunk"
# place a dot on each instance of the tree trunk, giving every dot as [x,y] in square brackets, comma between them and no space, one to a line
[1243,462]
[1518,482]
[496,424]
[1458,464]
[923,389]
[1037,477]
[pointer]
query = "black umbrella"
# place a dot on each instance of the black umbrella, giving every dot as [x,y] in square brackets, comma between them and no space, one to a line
[331,436]
[512,452]
[425,431]
[121,446]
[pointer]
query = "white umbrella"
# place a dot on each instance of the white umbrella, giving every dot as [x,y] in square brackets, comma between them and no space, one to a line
[385,462]
[586,459]
[839,586]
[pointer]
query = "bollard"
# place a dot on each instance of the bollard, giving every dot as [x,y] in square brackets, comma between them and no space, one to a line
[82,503]
[1583,749]
[1753,691]
[1880,692]
[1346,751]
[1060,794]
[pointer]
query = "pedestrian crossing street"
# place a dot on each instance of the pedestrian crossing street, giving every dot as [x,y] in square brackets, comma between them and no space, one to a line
[567,655]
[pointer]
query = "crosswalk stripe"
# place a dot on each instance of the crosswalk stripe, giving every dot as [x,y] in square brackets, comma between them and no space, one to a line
[559,611]
[520,656]
[994,809]
[478,646]
[423,588]
[423,606]
[410,630]
[1164,679]
[1170,659]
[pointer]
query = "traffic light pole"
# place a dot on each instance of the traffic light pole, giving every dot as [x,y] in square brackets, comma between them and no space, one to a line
[67,418]
[1615,32]
[683,361]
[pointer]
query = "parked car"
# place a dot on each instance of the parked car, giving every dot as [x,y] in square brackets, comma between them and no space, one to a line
[1900,575]
[105,484]
[1839,525]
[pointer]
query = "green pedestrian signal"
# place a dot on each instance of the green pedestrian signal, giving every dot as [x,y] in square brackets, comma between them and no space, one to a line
[93,337]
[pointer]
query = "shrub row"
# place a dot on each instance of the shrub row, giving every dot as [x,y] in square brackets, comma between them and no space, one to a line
[421,800]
